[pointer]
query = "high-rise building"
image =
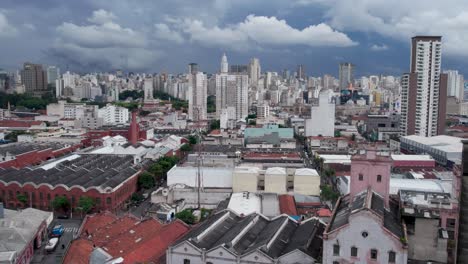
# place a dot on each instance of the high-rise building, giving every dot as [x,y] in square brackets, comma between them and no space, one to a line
[322,117]
[34,78]
[113,115]
[239,68]
[232,91]
[346,72]
[300,72]
[197,95]
[424,89]
[254,71]
[193,68]
[455,84]
[224,64]
[53,73]
[148,89]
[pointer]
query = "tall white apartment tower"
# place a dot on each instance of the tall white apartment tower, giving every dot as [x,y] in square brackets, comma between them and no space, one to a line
[254,71]
[346,72]
[197,94]
[455,84]
[224,64]
[424,89]
[232,91]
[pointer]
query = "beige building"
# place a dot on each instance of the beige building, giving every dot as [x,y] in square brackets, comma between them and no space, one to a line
[276,180]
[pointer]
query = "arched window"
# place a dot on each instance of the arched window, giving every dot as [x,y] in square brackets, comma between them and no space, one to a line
[354,251]
[379,178]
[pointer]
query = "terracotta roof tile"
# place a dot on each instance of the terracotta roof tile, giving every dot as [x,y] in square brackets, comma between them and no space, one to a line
[287,205]
[79,252]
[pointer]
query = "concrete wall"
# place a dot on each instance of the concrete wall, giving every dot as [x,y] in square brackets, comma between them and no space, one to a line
[244,182]
[425,244]
[209,198]
[307,185]
[276,183]
[351,235]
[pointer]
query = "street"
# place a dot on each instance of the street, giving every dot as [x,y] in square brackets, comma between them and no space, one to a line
[71,227]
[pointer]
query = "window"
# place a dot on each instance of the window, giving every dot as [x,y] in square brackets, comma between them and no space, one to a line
[379,178]
[336,250]
[451,222]
[373,253]
[364,234]
[336,262]
[353,251]
[41,196]
[186,261]
[108,200]
[391,257]
[209,262]
[48,196]
[361,177]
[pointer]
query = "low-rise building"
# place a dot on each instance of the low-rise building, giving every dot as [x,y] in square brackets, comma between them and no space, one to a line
[269,136]
[109,179]
[21,233]
[229,238]
[446,150]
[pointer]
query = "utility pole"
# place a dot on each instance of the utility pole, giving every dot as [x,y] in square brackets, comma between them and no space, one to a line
[198,128]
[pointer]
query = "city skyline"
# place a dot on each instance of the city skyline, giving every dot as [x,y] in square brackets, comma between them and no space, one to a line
[96,36]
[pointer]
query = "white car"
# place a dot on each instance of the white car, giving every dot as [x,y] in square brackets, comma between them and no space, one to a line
[52,244]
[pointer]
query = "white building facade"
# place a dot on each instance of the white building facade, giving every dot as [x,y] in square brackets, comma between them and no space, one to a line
[113,115]
[322,119]
[197,96]
[232,91]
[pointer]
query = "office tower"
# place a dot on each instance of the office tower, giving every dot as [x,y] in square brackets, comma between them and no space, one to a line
[148,89]
[197,94]
[424,89]
[232,91]
[224,64]
[455,84]
[346,73]
[193,68]
[239,69]
[53,73]
[34,78]
[254,71]
[301,72]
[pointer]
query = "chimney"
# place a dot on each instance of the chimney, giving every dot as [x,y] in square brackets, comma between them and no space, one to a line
[2,212]
[133,135]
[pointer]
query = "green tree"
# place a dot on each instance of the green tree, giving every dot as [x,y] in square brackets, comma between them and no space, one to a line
[211,104]
[252,122]
[186,216]
[22,199]
[146,180]
[61,202]
[215,124]
[186,148]
[157,170]
[328,194]
[136,197]
[86,204]
[337,133]
[192,139]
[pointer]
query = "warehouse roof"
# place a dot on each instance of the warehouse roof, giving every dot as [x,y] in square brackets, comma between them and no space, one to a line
[211,177]
[100,172]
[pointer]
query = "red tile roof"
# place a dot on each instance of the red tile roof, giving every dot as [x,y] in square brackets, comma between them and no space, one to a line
[324,212]
[79,252]
[287,205]
[18,123]
[135,241]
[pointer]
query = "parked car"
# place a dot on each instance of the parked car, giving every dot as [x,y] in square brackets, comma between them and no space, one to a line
[52,244]
[63,217]
[57,231]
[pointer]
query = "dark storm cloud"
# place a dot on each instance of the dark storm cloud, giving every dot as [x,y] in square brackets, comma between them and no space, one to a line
[152,36]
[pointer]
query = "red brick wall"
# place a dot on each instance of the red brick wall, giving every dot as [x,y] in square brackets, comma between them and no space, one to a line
[117,198]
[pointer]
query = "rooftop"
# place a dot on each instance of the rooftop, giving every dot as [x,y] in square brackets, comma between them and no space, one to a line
[18,228]
[371,202]
[127,237]
[20,148]
[86,171]
[442,142]
[274,237]
[211,177]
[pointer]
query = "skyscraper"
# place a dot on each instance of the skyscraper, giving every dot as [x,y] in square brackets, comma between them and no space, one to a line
[424,89]
[301,72]
[232,91]
[53,73]
[224,64]
[455,84]
[346,74]
[34,78]
[254,71]
[198,85]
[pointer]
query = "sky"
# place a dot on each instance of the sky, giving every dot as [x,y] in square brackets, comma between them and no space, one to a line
[165,35]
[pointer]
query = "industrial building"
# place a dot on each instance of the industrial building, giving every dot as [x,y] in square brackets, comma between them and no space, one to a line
[229,238]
